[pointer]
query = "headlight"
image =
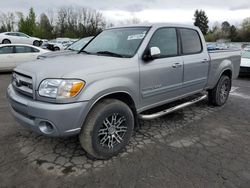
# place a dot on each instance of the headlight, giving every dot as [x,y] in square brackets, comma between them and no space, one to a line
[58,88]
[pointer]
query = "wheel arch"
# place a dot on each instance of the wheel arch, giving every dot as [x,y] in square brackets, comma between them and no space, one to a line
[228,72]
[5,39]
[123,96]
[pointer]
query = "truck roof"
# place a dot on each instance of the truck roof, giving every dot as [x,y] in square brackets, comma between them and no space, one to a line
[157,25]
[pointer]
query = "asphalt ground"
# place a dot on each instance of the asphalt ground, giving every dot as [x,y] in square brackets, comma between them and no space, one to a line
[199,146]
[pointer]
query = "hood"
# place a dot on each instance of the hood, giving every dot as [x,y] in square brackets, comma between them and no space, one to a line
[35,38]
[57,53]
[77,66]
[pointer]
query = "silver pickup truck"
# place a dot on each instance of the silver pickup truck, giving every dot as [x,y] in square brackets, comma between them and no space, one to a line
[119,77]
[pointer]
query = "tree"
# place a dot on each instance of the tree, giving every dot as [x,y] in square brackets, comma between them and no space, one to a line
[245,31]
[28,25]
[226,29]
[7,21]
[70,22]
[44,28]
[233,34]
[78,22]
[201,21]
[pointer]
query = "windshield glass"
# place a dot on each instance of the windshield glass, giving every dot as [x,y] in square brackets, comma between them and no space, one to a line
[78,45]
[246,54]
[122,41]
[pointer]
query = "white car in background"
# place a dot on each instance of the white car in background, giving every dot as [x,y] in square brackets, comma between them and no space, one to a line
[245,62]
[19,38]
[72,49]
[60,44]
[12,55]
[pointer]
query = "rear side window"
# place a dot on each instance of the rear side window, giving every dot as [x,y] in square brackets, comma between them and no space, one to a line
[6,50]
[25,49]
[191,42]
[21,35]
[166,40]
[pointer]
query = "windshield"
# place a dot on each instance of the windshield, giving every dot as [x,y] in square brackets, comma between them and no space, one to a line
[246,54]
[78,45]
[122,42]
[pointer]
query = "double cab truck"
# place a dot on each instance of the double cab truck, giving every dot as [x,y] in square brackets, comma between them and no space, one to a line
[121,76]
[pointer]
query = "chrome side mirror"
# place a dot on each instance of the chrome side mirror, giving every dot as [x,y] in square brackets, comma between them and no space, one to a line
[151,54]
[154,52]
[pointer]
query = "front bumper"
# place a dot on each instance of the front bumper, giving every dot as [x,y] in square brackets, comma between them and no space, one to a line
[65,119]
[245,70]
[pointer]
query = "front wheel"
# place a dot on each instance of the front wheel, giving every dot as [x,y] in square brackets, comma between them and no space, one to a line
[219,94]
[36,43]
[107,129]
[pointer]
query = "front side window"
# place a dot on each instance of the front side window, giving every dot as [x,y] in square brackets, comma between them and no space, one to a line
[11,34]
[191,42]
[121,42]
[6,50]
[166,40]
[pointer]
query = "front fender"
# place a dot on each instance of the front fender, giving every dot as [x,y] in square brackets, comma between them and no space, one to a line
[100,88]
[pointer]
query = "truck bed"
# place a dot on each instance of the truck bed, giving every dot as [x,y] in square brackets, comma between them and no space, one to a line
[219,58]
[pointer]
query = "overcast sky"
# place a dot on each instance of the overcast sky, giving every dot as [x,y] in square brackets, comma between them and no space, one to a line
[180,11]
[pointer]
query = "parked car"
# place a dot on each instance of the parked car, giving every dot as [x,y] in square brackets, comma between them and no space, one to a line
[72,49]
[56,45]
[120,75]
[47,46]
[212,47]
[12,55]
[20,38]
[60,44]
[245,62]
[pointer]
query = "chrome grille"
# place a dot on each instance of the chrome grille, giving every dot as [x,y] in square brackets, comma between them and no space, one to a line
[22,84]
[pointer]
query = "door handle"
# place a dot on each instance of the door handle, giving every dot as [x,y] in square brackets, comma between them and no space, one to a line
[177,65]
[204,61]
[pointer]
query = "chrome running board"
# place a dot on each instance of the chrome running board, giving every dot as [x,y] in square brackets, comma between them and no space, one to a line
[170,110]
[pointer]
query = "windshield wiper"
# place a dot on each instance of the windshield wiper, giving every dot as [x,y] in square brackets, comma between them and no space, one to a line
[110,53]
[84,52]
[71,49]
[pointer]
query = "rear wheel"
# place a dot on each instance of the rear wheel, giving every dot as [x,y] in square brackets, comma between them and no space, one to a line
[107,129]
[6,41]
[218,96]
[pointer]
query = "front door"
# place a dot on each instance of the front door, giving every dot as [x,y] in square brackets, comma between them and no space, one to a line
[161,78]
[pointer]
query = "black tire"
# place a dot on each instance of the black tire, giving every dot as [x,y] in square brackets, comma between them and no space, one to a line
[6,41]
[56,49]
[36,43]
[219,94]
[101,136]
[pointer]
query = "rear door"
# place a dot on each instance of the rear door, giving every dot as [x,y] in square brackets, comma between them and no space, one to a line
[196,60]
[7,59]
[161,78]
[25,54]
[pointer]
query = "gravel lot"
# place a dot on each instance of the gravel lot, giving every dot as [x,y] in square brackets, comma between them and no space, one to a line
[199,146]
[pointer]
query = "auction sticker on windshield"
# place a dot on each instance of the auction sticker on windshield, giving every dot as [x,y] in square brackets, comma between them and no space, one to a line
[136,36]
